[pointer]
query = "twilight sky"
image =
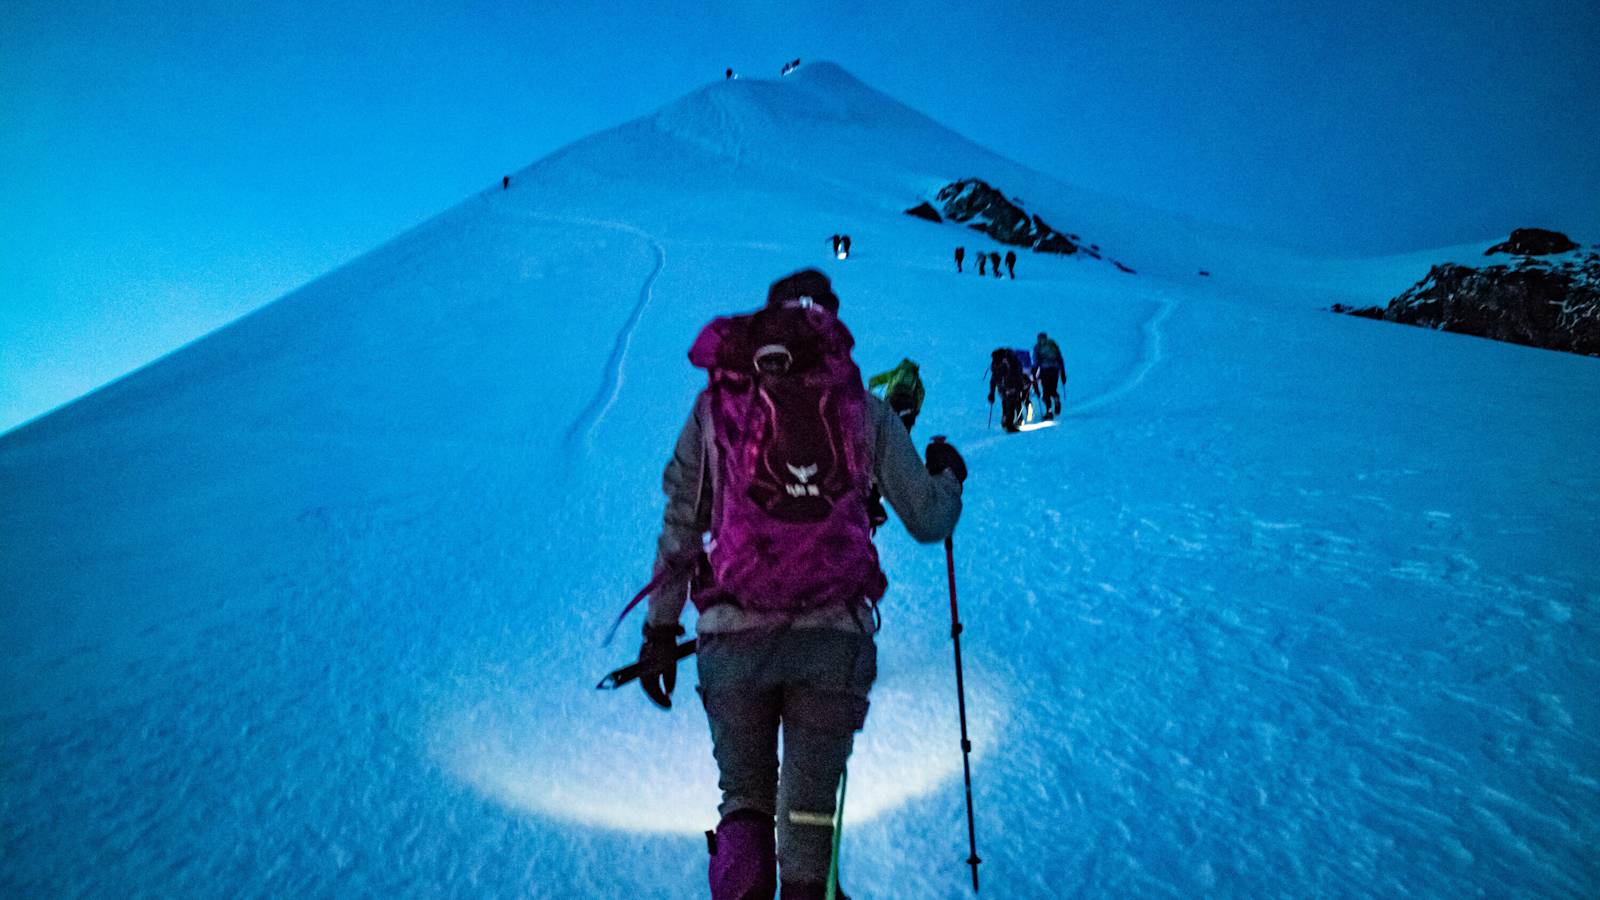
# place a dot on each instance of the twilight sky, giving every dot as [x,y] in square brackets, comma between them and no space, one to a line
[168,166]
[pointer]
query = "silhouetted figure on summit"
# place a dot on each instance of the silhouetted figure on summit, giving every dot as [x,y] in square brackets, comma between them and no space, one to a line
[961,253]
[1011,264]
[994,263]
[983,263]
[835,241]
[844,242]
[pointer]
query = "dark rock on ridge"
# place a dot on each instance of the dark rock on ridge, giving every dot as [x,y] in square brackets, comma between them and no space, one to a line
[1554,307]
[1533,242]
[1365,312]
[1545,298]
[985,209]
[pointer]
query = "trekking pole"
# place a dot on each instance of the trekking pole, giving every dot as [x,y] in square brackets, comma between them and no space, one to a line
[961,700]
[986,373]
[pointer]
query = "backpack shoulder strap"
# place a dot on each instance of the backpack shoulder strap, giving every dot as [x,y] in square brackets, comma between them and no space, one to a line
[708,449]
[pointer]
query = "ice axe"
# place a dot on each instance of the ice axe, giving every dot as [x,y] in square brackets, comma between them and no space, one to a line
[632,671]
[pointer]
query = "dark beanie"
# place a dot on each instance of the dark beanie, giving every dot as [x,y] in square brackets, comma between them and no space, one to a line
[804,283]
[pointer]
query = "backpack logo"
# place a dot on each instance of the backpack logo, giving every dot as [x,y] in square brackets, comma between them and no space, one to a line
[789,419]
[802,475]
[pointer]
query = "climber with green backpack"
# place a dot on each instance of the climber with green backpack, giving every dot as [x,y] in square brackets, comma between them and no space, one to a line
[902,390]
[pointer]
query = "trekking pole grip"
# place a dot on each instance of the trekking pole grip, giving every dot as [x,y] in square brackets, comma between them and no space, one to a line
[950,572]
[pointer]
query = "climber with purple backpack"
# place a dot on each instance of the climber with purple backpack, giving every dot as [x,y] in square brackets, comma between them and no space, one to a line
[776,461]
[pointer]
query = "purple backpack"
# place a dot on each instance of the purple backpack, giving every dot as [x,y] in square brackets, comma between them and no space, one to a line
[789,526]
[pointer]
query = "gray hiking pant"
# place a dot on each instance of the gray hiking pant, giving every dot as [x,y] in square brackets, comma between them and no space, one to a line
[812,683]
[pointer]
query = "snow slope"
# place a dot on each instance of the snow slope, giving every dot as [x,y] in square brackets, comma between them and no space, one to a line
[1290,604]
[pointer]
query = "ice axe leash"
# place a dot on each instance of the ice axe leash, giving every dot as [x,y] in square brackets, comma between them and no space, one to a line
[961,701]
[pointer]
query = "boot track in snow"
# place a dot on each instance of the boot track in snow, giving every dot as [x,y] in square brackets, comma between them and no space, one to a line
[611,377]
[1151,353]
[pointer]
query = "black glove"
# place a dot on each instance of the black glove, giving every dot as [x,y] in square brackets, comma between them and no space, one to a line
[942,457]
[876,514]
[658,661]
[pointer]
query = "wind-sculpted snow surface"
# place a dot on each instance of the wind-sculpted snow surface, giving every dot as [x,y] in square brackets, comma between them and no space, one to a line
[313,607]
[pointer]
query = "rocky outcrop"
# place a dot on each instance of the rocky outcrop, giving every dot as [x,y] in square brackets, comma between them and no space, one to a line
[1533,242]
[1552,306]
[984,208]
[1544,298]
[1365,312]
[924,210]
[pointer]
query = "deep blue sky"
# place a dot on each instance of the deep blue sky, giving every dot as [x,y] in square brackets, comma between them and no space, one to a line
[166,166]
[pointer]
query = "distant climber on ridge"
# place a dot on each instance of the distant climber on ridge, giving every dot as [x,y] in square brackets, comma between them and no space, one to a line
[1048,370]
[961,253]
[835,241]
[1009,378]
[983,262]
[1011,264]
[994,263]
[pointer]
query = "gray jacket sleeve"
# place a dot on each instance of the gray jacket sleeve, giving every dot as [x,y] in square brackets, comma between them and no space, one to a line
[928,505]
[687,517]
